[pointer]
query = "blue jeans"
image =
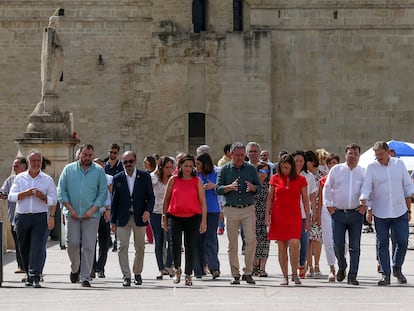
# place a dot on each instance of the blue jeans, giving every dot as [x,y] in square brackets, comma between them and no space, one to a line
[304,243]
[162,243]
[398,228]
[31,231]
[350,221]
[206,248]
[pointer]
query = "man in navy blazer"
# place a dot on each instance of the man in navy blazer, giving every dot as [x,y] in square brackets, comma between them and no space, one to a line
[132,204]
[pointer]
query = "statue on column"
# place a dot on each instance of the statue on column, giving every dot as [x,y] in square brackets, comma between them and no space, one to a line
[52,57]
[46,120]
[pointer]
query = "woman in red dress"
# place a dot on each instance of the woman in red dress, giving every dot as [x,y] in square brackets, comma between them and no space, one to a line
[283,214]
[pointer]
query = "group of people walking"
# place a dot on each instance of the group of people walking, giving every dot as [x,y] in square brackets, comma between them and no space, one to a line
[302,200]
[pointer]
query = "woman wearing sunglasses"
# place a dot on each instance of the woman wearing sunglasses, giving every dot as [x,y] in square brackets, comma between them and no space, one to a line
[262,242]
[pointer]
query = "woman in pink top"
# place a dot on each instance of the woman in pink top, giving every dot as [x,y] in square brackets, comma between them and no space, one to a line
[184,210]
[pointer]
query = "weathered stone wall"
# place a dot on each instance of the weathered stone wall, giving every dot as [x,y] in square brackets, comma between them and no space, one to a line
[303,74]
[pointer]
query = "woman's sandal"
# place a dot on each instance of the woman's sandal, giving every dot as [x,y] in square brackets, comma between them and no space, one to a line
[177,277]
[188,280]
[318,273]
[301,272]
[262,273]
[285,281]
[296,279]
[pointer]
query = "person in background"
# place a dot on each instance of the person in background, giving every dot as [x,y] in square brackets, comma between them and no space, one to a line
[326,220]
[207,247]
[132,204]
[226,158]
[315,232]
[113,166]
[302,169]
[36,198]
[19,165]
[264,156]
[389,187]
[322,155]
[159,179]
[150,164]
[184,211]
[104,229]
[284,216]
[262,242]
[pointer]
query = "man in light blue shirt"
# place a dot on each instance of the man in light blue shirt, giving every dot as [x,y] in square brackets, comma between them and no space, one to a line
[82,190]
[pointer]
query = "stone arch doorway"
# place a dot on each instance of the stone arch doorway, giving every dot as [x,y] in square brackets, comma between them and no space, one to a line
[175,137]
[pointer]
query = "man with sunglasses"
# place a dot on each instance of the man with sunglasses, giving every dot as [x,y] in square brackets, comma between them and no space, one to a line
[113,166]
[82,191]
[132,203]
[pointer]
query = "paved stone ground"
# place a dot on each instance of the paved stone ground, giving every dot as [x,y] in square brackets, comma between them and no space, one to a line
[206,294]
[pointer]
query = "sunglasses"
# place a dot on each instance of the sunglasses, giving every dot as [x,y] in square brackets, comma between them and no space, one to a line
[264,171]
[128,161]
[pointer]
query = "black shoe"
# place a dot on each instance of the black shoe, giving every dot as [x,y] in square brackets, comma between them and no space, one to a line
[93,274]
[400,276]
[138,279]
[127,282]
[352,280]
[248,278]
[115,248]
[385,280]
[101,275]
[236,280]
[36,284]
[74,277]
[340,276]
[28,282]
[215,274]
[86,284]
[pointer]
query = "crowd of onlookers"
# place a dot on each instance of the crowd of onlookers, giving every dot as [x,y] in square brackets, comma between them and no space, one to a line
[305,200]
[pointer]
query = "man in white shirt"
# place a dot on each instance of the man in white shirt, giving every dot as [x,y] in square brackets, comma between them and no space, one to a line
[34,192]
[341,197]
[387,185]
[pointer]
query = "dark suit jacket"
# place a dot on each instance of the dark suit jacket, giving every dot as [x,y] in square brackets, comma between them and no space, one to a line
[142,198]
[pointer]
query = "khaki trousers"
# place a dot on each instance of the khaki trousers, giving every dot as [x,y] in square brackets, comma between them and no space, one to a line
[124,234]
[245,217]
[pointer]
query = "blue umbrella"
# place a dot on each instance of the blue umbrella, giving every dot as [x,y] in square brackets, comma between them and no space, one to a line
[401,148]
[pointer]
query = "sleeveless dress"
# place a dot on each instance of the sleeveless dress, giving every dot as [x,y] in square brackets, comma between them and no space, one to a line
[286,219]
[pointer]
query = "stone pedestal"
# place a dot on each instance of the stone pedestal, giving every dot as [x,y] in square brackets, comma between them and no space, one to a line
[46,120]
[59,152]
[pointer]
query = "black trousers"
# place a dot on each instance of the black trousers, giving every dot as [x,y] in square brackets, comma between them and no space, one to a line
[190,227]
[31,230]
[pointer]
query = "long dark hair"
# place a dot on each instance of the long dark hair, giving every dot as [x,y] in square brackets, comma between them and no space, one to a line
[207,163]
[187,157]
[303,155]
[160,168]
[287,158]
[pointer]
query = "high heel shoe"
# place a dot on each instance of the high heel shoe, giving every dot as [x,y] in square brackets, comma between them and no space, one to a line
[285,281]
[177,277]
[188,280]
[296,279]
[301,272]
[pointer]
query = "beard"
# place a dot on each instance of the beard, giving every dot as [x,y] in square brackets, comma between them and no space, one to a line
[85,162]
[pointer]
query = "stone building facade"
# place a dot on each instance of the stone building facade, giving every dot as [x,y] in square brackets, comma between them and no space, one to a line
[162,76]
